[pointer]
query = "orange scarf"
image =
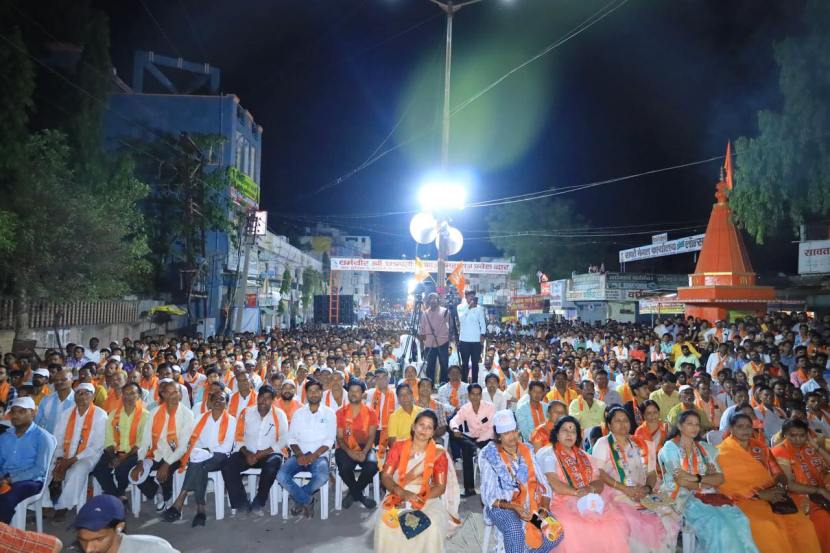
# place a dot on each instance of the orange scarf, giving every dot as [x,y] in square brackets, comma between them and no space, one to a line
[388,404]
[151,384]
[85,430]
[404,478]
[719,366]
[626,394]
[116,431]
[644,434]
[413,384]
[158,423]
[223,431]
[363,416]
[288,408]
[531,491]
[454,394]
[689,462]
[576,466]
[240,426]
[233,406]
[329,396]
[541,435]
[537,413]
[709,407]
[519,391]
[566,398]
[4,391]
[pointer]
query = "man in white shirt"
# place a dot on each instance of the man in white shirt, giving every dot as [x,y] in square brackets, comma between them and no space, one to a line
[473,327]
[167,447]
[264,432]
[53,407]
[492,394]
[207,450]
[80,442]
[94,353]
[719,360]
[312,433]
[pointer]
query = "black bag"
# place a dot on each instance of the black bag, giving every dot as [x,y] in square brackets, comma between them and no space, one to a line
[820,500]
[784,507]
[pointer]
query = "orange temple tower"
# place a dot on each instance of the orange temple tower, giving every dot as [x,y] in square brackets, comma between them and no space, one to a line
[723,280]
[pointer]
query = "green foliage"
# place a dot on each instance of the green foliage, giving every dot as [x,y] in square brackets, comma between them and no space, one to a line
[312,281]
[783,173]
[520,230]
[68,244]
[18,77]
[285,286]
[180,172]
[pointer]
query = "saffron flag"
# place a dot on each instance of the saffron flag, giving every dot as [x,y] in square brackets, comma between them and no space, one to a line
[420,272]
[457,279]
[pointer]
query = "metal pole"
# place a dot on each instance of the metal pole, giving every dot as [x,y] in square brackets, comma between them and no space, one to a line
[445,134]
[242,287]
[442,259]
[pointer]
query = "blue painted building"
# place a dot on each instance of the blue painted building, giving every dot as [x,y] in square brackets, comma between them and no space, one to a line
[183,97]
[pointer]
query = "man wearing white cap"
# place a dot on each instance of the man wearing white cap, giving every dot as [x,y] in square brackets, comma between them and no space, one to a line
[80,437]
[24,457]
[40,382]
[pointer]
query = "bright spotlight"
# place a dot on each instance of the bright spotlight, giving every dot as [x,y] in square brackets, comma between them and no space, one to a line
[444,191]
[411,284]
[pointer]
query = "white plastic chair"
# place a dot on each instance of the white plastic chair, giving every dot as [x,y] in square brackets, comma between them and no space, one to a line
[218,490]
[714,437]
[136,496]
[489,529]
[274,496]
[324,496]
[338,488]
[35,502]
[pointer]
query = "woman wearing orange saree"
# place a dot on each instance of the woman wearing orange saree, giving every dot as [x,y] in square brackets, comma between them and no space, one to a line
[754,481]
[806,467]
[414,475]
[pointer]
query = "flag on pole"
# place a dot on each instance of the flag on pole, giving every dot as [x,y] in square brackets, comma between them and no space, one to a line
[420,272]
[457,279]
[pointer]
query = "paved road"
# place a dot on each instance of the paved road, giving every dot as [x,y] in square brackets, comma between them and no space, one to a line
[348,531]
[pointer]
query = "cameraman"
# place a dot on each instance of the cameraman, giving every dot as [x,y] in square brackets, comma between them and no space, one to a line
[434,332]
[471,335]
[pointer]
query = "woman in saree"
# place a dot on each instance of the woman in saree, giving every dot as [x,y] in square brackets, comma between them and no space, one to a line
[415,476]
[690,474]
[652,430]
[572,475]
[755,481]
[628,467]
[805,464]
[514,489]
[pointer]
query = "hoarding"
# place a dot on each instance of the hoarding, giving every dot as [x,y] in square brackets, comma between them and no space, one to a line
[814,257]
[661,249]
[408,266]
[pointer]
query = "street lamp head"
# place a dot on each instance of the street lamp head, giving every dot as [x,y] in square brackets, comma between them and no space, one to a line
[441,192]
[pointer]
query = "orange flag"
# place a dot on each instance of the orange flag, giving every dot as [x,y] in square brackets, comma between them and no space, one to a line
[457,279]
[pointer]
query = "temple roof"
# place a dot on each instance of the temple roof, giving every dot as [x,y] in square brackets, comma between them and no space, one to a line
[723,249]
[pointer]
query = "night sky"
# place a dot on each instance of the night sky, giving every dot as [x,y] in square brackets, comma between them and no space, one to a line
[653,84]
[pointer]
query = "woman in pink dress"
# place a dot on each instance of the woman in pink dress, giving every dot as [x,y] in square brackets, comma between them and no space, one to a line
[627,467]
[574,478]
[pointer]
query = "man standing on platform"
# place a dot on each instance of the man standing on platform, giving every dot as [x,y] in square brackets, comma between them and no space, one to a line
[434,333]
[471,334]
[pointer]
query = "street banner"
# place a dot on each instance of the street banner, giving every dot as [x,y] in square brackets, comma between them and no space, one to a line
[814,257]
[408,266]
[661,249]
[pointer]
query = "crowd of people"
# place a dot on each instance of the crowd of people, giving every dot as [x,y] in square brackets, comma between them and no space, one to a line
[570,436]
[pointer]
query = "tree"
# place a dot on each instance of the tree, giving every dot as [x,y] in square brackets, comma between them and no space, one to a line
[783,173]
[69,245]
[536,234]
[188,199]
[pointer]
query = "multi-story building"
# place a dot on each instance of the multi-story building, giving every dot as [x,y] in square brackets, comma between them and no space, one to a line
[161,108]
[326,240]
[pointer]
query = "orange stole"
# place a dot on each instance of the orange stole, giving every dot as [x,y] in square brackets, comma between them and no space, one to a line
[223,431]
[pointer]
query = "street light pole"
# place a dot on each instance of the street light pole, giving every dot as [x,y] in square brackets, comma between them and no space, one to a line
[449,8]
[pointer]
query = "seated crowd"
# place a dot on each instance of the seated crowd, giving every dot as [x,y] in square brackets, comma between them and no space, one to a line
[719,434]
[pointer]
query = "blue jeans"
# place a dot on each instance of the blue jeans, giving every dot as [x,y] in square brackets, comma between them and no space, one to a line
[319,470]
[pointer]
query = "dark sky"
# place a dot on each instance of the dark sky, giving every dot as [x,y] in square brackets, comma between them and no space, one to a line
[652,85]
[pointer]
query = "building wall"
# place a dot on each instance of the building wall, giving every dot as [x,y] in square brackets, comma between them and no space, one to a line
[148,117]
